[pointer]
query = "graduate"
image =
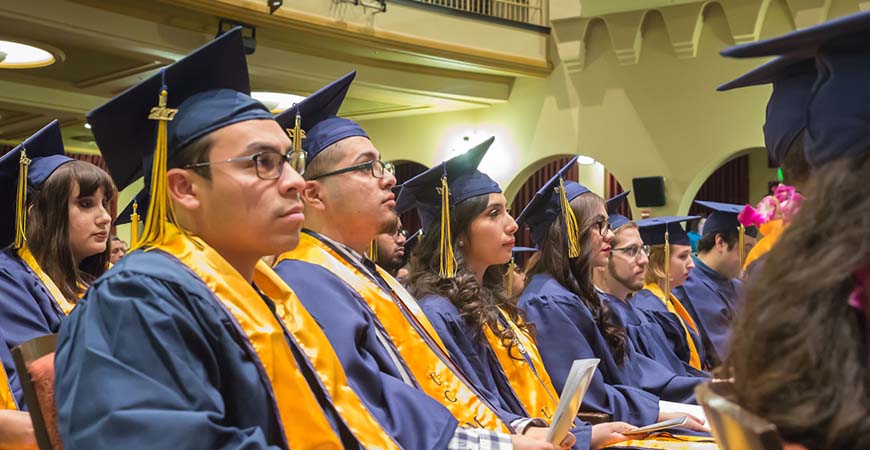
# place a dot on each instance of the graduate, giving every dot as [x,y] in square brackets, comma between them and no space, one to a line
[190,341]
[515,274]
[711,293]
[670,262]
[569,225]
[16,428]
[792,77]
[388,249]
[393,357]
[620,280]
[456,275]
[805,318]
[54,236]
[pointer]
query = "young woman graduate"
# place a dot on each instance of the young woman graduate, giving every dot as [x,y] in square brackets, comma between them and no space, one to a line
[800,349]
[670,262]
[457,276]
[54,233]
[569,226]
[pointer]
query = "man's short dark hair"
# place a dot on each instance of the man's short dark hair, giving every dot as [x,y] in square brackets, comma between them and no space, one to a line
[708,241]
[194,153]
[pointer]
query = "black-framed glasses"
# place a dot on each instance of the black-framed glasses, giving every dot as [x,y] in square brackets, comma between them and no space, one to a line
[377,167]
[633,250]
[603,226]
[269,164]
[400,232]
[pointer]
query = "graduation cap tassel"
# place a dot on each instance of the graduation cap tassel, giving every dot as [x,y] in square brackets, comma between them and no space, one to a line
[571,227]
[667,264]
[161,209]
[21,200]
[447,267]
[373,251]
[510,277]
[741,238]
[134,224]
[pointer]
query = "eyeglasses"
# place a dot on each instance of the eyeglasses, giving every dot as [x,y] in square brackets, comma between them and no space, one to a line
[378,168]
[269,164]
[400,232]
[633,250]
[603,226]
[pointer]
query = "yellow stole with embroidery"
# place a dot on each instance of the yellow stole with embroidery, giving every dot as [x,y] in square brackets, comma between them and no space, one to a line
[675,307]
[435,378]
[305,425]
[7,400]
[772,231]
[27,257]
[528,377]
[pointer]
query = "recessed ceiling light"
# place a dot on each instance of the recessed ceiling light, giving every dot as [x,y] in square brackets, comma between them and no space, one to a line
[585,160]
[277,101]
[24,56]
[87,125]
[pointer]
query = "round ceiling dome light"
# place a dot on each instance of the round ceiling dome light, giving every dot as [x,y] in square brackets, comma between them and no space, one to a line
[24,56]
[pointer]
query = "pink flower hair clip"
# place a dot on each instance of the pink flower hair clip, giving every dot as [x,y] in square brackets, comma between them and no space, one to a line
[783,204]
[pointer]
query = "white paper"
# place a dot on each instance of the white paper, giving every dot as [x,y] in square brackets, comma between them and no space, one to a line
[575,388]
[694,410]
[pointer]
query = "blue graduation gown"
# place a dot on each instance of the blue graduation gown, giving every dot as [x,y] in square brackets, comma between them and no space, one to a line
[412,418]
[647,336]
[712,300]
[567,331]
[477,359]
[11,375]
[670,324]
[28,311]
[149,359]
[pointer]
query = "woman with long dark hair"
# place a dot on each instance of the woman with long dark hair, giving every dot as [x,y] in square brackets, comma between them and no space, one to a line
[483,331]
[54,236]
[569,225]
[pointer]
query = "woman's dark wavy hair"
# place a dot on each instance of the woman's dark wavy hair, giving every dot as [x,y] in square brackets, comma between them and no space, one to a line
[48,226]
[575,274]
[800,355]
[478,304]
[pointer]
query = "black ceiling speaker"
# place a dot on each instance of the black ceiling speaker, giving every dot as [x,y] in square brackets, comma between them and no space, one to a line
[648,191]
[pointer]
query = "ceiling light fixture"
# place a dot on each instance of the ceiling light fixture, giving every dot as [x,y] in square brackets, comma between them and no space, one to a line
[585,160]
[24,56]
[276,101]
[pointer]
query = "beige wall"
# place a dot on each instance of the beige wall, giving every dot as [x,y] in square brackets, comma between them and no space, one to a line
[661,116]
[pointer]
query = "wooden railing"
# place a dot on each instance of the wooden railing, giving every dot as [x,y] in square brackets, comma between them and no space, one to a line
[532,12]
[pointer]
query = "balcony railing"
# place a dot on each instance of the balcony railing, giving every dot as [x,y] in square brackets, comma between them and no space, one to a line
[533,12]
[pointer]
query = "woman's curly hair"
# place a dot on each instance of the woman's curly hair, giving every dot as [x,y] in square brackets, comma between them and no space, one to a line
[477,303]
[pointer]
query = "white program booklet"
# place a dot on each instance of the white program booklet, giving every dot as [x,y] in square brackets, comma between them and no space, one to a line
[578,381]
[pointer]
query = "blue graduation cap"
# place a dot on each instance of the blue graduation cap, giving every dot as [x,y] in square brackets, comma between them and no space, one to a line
[437,190]
[724,218]
[615,219]
[661,230]
[317,115]
[27,165]
[548,203]
[838,120]
[792,78]
[146,127]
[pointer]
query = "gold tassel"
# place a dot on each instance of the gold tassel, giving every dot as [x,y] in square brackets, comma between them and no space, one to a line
[571,227]
[134,224]
[667,263]
[161,209]
[510,277]
[447,268]
[373,251]
[21,200]
[741,239]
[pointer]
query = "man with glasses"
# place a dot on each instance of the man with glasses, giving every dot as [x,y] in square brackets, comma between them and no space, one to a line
[190,342]
[393,361]
[389,249]
[623,276]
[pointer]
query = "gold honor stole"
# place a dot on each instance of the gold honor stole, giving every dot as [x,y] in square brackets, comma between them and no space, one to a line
[528,377]
[675,307]
[27,257]
[772,231]
[304,423]
[434,376]
[7,400]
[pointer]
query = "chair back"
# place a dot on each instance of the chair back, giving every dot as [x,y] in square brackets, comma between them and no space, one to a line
[735,428]
[34,363]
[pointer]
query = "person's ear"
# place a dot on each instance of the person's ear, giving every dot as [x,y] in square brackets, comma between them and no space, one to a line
[314,195]
[184,188]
